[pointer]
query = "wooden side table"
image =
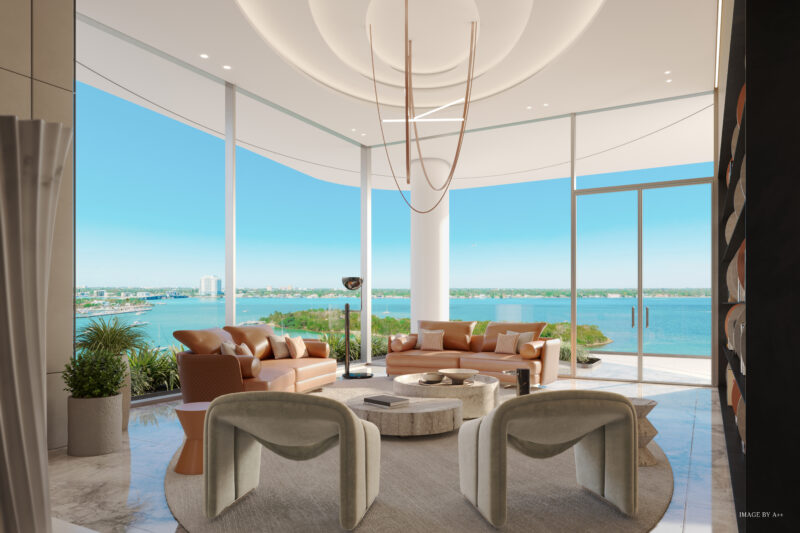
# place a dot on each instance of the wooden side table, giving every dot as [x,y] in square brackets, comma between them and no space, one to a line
[192,417]
[646,431]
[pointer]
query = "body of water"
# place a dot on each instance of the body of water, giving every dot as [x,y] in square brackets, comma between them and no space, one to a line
[677,325]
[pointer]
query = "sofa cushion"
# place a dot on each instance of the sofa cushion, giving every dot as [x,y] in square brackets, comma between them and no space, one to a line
[531,350]
[276,379]
[304,368]
[497,362]
[456,333]
[227,348]
[493,328]
[202,341]
[249,365]
[280,349]
[255,337]
[297,348]
[506,343]
[432,340]
[243,349]
[421,333]
[317,348]
[401,343]
[425,358]
[525,336]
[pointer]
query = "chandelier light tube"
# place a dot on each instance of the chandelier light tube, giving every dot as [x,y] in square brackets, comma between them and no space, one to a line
[410,116]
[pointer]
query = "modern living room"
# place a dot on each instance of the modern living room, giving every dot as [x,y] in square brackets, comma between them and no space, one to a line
[396,265]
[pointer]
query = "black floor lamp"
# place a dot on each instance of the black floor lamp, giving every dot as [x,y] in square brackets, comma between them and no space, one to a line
[352,284]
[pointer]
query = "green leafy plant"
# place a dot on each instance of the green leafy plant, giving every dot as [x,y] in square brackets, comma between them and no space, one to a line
[380,345]
[91,374]
[336,342]
[152,369]
[565,352]
[110,336]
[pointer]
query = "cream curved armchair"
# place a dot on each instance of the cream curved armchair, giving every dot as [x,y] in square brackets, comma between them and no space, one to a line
[600,425]
[295,426]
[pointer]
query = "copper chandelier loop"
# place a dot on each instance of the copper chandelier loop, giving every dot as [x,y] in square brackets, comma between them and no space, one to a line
[410,113]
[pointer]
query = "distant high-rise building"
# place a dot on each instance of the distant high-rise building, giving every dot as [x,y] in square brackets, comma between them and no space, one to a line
[210,286]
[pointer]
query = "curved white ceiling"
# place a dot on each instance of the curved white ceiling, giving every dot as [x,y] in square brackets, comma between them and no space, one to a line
[154,48]
[330,41]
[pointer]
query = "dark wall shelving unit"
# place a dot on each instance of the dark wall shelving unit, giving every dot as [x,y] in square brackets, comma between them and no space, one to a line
[728,250]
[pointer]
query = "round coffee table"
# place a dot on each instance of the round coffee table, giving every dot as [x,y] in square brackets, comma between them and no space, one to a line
[478,395]
[422,416]
[192,417]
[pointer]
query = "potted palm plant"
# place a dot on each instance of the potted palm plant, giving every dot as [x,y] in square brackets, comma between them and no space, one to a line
[118,338]
[94,407]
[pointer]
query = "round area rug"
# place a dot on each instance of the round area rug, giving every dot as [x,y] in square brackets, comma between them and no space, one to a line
[419,490]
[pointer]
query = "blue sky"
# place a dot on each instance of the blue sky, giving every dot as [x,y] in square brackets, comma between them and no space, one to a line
[150,212]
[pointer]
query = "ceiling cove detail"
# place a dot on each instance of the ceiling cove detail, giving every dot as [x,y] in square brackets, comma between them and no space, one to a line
[329,41]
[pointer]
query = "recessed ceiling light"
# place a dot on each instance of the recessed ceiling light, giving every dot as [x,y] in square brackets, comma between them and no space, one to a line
[527,107]
[546,105]
[352,129]
[667,72]
[226,67]
[669,80]
[204,56]
[363,134]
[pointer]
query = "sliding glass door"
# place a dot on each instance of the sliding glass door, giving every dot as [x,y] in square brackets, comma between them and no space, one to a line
[606,283]
[643,282]
[676,275]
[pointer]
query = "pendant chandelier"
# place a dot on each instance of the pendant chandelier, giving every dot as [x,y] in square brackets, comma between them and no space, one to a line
[410,117]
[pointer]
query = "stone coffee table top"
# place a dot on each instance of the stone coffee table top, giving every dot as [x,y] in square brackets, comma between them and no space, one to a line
[478,395]
[422,416]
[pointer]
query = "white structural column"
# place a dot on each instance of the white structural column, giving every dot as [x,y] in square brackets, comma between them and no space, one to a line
[573,304]
[430,244]
[366,254]
[230,204]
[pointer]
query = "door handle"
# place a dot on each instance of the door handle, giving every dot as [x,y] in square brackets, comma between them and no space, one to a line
[647,317]
[633,322]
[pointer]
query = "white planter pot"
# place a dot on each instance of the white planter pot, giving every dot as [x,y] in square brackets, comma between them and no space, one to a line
[94,425]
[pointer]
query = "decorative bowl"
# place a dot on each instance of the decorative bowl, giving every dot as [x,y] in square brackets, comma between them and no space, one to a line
[458,375]
[432,377]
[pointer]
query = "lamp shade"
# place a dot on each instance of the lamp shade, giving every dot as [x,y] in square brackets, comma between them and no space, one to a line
[352,283]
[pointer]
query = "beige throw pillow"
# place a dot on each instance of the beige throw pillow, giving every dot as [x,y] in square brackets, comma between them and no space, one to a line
[279,348]
[506,343]
[297,348]
[243,349]
[422,332]
[432,340]
[524,337]
[228,348]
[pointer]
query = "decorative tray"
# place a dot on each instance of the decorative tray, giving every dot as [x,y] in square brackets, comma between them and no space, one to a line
[445,382]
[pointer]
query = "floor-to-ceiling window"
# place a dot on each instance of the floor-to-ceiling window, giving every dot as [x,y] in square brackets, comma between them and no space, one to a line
[149,222]
[509,253]
[296,235]
[643,248]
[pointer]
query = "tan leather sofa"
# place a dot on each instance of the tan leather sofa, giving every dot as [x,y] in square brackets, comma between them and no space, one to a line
[464,350]
[206,373]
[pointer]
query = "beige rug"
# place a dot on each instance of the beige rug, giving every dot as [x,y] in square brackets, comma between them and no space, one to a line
[419,491]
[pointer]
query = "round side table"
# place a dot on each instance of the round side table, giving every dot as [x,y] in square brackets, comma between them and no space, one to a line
[192,417]
[646,431]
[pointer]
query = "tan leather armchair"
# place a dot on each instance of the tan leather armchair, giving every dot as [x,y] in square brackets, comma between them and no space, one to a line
[207,376]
